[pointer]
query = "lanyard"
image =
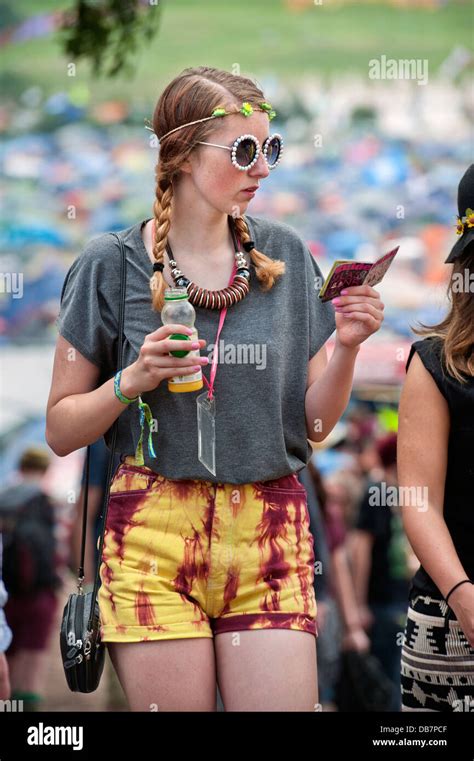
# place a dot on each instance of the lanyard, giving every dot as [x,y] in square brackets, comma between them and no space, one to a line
[214,357]
[144,409]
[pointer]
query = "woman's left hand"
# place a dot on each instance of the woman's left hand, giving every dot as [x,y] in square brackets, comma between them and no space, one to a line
[359,313]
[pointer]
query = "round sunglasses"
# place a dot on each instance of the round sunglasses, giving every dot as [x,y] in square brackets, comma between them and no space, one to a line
[246,149]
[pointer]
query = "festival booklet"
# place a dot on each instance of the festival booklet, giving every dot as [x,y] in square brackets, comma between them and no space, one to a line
[345,273]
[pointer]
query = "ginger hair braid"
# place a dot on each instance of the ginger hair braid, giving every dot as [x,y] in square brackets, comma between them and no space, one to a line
[266,269]
[161,211]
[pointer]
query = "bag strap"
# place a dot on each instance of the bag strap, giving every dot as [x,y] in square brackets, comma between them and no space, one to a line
[105,503]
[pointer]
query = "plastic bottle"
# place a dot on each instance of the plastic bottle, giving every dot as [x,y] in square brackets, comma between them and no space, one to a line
[178,309]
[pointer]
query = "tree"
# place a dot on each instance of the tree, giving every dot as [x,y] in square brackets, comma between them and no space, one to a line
[97,30]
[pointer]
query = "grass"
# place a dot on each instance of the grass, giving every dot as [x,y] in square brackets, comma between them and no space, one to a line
[260,36]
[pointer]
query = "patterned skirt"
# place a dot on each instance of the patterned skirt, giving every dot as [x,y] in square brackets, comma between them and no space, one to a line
[437,665]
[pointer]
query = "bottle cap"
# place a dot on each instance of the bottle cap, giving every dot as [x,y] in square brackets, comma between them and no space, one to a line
[171,294]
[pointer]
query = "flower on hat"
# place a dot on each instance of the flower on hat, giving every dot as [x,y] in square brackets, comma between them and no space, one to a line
[467,220]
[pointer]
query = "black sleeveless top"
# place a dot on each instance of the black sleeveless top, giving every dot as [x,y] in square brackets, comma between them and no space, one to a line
[458,506]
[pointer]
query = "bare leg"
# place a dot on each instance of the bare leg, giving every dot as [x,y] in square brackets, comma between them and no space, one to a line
[5,689]
[28,670]
[167,675]
[267,670]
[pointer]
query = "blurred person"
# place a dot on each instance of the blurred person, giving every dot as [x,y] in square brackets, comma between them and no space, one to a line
[380,561]
[360,423]
[368,459]
[98,465]
[5,636]
[98,469]
[435,461]
[341,627]
[333,455]
[363,429]
[165,609]
[328,624]
[27,521]
[341,491]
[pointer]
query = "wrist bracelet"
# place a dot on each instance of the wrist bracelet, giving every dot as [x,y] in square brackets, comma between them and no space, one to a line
[464,581]
[118,393]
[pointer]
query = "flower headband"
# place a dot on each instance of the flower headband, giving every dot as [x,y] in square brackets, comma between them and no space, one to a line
[246,109]
[463,223]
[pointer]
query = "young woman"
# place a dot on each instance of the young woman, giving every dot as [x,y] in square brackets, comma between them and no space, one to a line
[194,561]
[435,462]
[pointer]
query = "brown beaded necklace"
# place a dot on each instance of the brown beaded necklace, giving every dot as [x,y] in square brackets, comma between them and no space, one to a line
[201,297]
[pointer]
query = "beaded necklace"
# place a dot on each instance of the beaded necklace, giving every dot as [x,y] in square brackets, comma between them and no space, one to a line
[201,297]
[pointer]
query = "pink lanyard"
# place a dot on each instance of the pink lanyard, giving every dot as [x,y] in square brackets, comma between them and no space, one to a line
[221,323]
[214,358]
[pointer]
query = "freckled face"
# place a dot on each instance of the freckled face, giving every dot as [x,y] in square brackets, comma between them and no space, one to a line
[215,178]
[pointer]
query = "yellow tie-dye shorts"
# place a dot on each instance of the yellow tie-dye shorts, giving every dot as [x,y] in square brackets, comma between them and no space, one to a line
[192,558]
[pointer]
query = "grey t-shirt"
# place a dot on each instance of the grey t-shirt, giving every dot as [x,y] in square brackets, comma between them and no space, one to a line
[264,347]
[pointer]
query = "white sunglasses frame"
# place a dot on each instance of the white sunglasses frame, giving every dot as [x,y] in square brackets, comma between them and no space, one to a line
[235,145]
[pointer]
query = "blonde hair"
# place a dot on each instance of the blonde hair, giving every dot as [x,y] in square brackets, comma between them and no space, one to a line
[456,329]
[192,95]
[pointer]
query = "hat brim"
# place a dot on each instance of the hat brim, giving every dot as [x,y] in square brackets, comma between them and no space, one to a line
[460,245]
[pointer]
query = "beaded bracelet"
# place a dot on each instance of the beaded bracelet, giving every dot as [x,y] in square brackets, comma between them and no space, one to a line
[118,393]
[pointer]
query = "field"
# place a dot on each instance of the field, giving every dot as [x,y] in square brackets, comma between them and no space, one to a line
[262,37]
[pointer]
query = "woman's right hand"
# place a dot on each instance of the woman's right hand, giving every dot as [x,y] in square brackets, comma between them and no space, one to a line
[462,603]
[155,363]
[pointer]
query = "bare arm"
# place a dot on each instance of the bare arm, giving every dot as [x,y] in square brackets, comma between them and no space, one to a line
[422,452]
[362,544]
[361,557]
[79,412]
[328,389]
[345,594]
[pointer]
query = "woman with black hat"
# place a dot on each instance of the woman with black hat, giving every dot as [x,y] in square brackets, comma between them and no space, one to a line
[435,455]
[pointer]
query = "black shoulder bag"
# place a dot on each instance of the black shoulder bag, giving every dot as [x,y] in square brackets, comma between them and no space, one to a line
[82,651]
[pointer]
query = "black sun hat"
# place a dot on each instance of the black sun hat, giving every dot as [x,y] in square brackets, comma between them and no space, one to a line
[465,226]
